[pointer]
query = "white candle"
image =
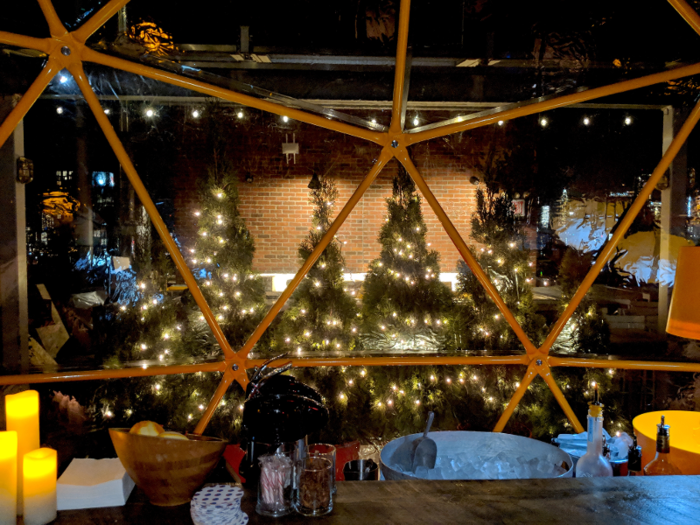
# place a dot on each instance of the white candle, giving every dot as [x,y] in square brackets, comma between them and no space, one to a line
[40,486]
[22,412]
[8,478]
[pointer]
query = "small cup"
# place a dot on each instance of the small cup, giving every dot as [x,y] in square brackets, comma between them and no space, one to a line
[327,451]
[314,496]
[275,485]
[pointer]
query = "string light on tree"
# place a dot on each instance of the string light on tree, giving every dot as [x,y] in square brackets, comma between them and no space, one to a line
[395,289]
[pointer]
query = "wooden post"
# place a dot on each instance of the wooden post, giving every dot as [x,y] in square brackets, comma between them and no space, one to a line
[673,203]
[14,340]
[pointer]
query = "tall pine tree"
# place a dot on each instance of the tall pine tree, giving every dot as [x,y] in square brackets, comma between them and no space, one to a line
[405,306]
[222,258]
[323,313]
[502,254]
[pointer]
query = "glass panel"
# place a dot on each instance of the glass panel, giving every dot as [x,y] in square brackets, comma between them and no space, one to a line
[485,55]
[24,18]
[74,13]
[340,45]
[536,198]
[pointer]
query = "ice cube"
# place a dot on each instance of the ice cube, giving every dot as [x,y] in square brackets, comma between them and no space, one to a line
[435,473]
[421,472]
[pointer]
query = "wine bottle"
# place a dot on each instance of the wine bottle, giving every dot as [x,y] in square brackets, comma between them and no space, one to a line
[593,463]
[662,465]
[634,459]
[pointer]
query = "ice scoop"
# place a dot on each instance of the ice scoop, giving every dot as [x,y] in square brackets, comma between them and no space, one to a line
[424,449]
[405,453]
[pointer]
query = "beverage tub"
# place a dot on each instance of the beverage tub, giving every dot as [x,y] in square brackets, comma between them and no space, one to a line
[483,455]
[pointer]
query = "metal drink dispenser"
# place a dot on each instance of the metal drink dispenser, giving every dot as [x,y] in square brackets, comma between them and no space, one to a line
[279,413]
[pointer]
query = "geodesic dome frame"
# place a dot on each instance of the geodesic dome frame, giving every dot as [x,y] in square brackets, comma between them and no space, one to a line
[68,50]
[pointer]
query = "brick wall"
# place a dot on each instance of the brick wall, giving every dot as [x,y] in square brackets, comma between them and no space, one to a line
[276,203]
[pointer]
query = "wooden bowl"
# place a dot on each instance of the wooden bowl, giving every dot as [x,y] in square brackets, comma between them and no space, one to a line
[169,471]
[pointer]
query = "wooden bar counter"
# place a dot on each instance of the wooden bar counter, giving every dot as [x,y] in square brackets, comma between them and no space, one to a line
[636,500]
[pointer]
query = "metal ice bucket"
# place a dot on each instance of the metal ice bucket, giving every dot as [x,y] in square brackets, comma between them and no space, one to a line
[454,442]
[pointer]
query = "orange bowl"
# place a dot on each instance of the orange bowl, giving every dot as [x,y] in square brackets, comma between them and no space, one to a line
[685,437]
[169,471]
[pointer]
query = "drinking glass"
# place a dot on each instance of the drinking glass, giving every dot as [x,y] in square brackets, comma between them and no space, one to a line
[275,485]
[314,496]
[327,451]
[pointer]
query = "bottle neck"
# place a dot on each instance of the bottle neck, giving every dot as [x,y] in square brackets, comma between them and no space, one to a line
[663,444]
[595,435]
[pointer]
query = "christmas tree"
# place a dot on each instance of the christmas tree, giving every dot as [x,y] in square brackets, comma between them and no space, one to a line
[322,313]
[502,255]
[163,327]
[148,326]
[222,258]
[405,306]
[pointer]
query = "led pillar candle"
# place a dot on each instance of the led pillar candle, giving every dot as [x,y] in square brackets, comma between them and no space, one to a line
[22,411]
[8,478]
[39,486]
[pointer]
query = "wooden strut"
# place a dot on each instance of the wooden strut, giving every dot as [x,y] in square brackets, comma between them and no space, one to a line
[395,143]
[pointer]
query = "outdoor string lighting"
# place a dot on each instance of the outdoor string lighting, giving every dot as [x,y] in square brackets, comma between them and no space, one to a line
[67,50]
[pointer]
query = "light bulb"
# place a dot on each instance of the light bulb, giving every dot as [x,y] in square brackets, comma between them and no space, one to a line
[150,112]
[544,122]
[628,121]
[500,122]
[59,110]
[285,118]
[586,121]
[239,114]
[107,111]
